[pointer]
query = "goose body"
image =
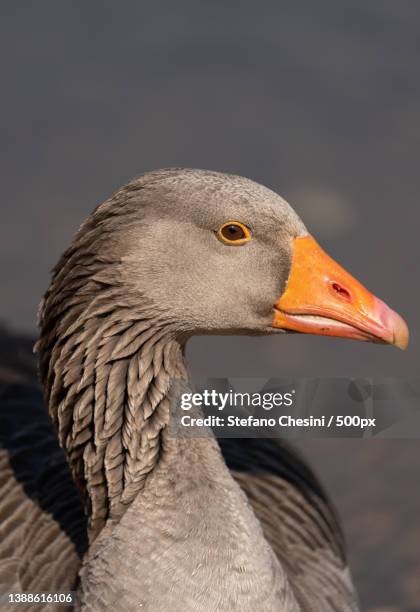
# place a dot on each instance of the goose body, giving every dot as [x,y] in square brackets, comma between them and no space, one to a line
[173,523]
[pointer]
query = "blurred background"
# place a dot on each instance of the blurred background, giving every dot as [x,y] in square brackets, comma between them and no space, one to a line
[319,101]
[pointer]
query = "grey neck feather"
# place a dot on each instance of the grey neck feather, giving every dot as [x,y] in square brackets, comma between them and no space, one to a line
[158,505]
[107,385]
[106,362]
[185,520]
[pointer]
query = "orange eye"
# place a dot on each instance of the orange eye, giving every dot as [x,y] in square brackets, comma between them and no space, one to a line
[234,233]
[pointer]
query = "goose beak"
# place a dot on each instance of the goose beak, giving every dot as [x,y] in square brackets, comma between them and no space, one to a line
[322,298]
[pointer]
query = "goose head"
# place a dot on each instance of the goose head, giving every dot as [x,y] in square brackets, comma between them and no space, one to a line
[173,254]
[220,254]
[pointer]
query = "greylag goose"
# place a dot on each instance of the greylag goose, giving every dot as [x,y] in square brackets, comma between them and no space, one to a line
[173,523]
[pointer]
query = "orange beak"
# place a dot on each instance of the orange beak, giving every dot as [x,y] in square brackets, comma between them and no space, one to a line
[322,298]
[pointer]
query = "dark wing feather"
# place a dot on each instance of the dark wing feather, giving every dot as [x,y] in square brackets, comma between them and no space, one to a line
[298,521]
[42,523]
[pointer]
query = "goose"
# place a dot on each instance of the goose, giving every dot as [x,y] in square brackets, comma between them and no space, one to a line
[130,516]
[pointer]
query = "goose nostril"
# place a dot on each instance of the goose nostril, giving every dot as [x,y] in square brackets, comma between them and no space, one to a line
[341,291]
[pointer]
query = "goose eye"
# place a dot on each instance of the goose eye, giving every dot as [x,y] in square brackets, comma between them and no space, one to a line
[234,232]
